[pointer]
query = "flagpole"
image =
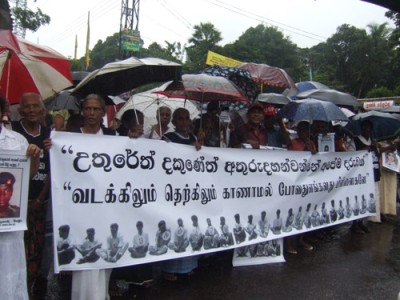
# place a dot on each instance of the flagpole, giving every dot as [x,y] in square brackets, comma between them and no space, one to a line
[87,58]
[76,47]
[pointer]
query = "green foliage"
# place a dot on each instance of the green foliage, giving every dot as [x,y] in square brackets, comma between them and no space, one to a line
[28,19]
[169,53]
[104,52]
[78,64]
[352,60]
[266,45]
[379,92]
[205,38]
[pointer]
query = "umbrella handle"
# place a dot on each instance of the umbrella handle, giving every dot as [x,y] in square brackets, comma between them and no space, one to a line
[8,73]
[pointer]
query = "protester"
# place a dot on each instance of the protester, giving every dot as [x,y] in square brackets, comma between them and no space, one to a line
[163,115]
[251,133]
[58,123]
[74,123]
[13,284]
[132,124]
[388,182]
[182,135]
[365,141]
[277,134]
[302,143]
[32,112]
[92,284]
[208,125]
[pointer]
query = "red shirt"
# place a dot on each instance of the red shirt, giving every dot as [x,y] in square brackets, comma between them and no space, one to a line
[248,133]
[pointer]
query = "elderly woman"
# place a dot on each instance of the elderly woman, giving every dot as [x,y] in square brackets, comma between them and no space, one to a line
[162,127]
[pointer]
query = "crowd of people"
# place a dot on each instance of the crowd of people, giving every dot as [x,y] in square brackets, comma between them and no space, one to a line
[26,258]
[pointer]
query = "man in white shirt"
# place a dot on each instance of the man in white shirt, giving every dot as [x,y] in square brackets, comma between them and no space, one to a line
[13,284]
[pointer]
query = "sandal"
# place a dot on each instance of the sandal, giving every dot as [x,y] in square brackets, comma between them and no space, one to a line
[291,251]
[307,247]
[170,277]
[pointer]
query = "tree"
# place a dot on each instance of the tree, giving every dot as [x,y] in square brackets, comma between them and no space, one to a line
[379,92]
[168,53]
[105,52]
[28,19]
[205,37]
[108,51]
[395,42]
[266,45]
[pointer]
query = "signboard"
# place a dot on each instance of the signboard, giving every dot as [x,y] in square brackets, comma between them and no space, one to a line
[130,40]
[378,104]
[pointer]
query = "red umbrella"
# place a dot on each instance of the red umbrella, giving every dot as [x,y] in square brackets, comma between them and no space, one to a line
[204,88]
[269,76]
[28,67]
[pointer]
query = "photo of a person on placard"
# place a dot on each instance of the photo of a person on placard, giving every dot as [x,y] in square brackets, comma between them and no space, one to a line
[390,161]
[7,210]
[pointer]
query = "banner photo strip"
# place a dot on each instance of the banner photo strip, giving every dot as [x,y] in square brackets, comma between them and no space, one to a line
[120,201]
[14,184]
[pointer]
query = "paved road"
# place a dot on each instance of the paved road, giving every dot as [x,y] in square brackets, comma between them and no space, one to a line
[343,266]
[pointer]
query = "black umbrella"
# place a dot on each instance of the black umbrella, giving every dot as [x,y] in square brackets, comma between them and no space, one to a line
[122,76]
[334,96]
[62,100]
[311,110]
[384,125]
[66,100]
[273,98]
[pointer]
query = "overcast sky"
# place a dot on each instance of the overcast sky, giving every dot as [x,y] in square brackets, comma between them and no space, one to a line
[306,22]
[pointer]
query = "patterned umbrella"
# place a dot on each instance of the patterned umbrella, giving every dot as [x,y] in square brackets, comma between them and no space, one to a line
[28,67]
[203,88]
[241,78]
[269,76]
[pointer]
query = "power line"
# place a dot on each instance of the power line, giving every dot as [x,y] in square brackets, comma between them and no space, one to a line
[256,17]
[176,14]
[97,12]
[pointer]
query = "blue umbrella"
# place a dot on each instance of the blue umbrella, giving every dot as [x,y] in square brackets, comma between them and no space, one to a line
[310,85]
[384,125]
[334,96]
[311,110]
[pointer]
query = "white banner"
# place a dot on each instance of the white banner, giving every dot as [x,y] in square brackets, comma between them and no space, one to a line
[121,201]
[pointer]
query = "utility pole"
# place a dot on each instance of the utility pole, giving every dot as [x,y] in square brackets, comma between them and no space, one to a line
[129,35]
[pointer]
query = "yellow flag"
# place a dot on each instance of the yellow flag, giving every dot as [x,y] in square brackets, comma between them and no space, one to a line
[218,59]
[87,58]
